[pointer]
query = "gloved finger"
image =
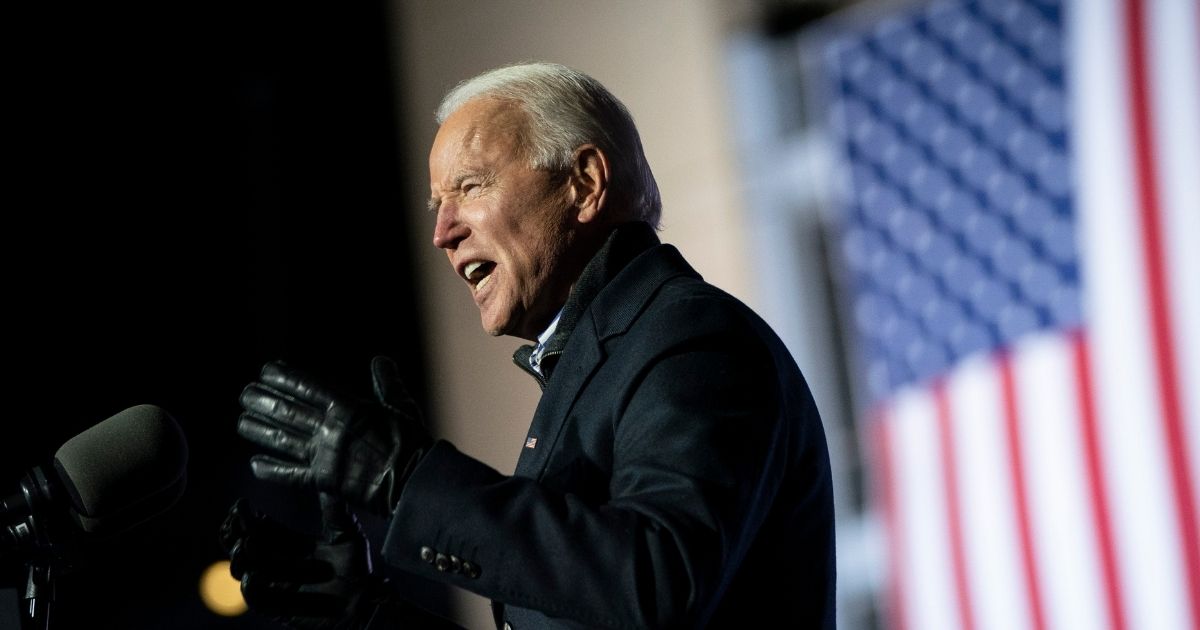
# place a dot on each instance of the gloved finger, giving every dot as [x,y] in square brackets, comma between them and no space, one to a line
[284,598]
[233,528]
[296,383]
[254,524]
[337,522]
[389,387]
[241,560]
[268,468]
[281,409]
[266,434]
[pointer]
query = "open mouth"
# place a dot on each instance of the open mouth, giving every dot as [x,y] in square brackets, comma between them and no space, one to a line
[478,273]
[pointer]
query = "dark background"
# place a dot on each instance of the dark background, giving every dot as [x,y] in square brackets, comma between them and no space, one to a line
[194,189]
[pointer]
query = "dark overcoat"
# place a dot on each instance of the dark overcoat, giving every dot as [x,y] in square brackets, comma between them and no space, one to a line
[675,475]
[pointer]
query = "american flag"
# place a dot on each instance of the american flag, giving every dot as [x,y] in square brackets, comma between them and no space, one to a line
[1018,221]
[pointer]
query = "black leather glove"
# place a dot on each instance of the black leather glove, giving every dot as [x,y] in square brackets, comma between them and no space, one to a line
[360,451]
[301,582]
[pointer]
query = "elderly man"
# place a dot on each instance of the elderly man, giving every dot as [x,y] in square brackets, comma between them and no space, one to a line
[675,473]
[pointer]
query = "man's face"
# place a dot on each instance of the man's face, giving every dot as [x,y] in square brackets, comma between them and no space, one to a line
[505,226]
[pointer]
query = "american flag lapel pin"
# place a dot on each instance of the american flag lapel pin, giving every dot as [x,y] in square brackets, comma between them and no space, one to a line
[530,442]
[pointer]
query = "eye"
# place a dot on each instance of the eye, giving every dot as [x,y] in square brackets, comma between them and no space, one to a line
[470,188]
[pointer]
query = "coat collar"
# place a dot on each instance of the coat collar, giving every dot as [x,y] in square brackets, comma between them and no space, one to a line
[624,244]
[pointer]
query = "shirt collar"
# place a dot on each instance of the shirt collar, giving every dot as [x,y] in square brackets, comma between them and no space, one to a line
[536,358]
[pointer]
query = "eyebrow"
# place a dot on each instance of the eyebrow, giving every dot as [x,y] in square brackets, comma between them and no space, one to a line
[434,200]
[455,184]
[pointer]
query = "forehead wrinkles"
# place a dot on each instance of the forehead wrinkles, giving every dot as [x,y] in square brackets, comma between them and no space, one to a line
[455,151]
[484,134]
[503,126]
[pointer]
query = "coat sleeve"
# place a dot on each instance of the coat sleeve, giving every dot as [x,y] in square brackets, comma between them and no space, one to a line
[695,436]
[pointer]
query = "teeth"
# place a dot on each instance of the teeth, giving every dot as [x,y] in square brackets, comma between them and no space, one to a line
[478,273]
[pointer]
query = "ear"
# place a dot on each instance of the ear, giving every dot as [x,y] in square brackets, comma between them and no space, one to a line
[589,182]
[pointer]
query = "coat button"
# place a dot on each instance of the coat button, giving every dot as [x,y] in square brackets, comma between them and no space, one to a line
[427,554]
[441,562]
[470,569]
[455,564]
[507,626]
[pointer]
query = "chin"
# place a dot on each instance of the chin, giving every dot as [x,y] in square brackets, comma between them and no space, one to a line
[495,328]
[499,322]
[509,329]
[492,330]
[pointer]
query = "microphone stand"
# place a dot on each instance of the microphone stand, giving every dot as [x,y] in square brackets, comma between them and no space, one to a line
[47,551]
[41,570]
[39,594]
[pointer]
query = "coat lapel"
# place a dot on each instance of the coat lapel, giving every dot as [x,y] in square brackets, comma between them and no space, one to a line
[580,359]
[612,313]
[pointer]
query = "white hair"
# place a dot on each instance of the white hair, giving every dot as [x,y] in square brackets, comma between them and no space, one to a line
[566,110]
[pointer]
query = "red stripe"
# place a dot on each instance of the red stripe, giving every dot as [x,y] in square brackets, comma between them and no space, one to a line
[1160,312]
[953,507]
[1028,557]
[885,476]
[1096,483]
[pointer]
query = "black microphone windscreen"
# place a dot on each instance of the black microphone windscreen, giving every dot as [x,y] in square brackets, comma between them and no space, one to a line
[124,470]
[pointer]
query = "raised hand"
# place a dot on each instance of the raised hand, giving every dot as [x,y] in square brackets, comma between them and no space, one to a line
[361,451]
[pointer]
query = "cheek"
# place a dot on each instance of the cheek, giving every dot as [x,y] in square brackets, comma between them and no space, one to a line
[542,250]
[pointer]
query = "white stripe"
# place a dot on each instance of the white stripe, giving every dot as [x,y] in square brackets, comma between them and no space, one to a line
[1059,495]
[1175,72]
[927,580]
[989,519]
[1129,415]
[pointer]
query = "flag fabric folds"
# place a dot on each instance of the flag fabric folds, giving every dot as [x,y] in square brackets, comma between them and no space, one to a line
[1017,223]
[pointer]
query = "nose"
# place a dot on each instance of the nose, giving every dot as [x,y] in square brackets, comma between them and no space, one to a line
[448,230]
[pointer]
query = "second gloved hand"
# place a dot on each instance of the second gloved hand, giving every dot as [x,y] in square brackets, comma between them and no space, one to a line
[304,583]
[361,451]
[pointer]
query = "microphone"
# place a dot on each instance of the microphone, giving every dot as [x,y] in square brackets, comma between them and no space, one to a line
[120,472]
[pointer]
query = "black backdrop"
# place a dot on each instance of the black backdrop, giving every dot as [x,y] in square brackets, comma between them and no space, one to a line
[193,189]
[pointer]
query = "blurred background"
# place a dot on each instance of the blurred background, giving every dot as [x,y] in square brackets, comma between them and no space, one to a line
[197,189]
